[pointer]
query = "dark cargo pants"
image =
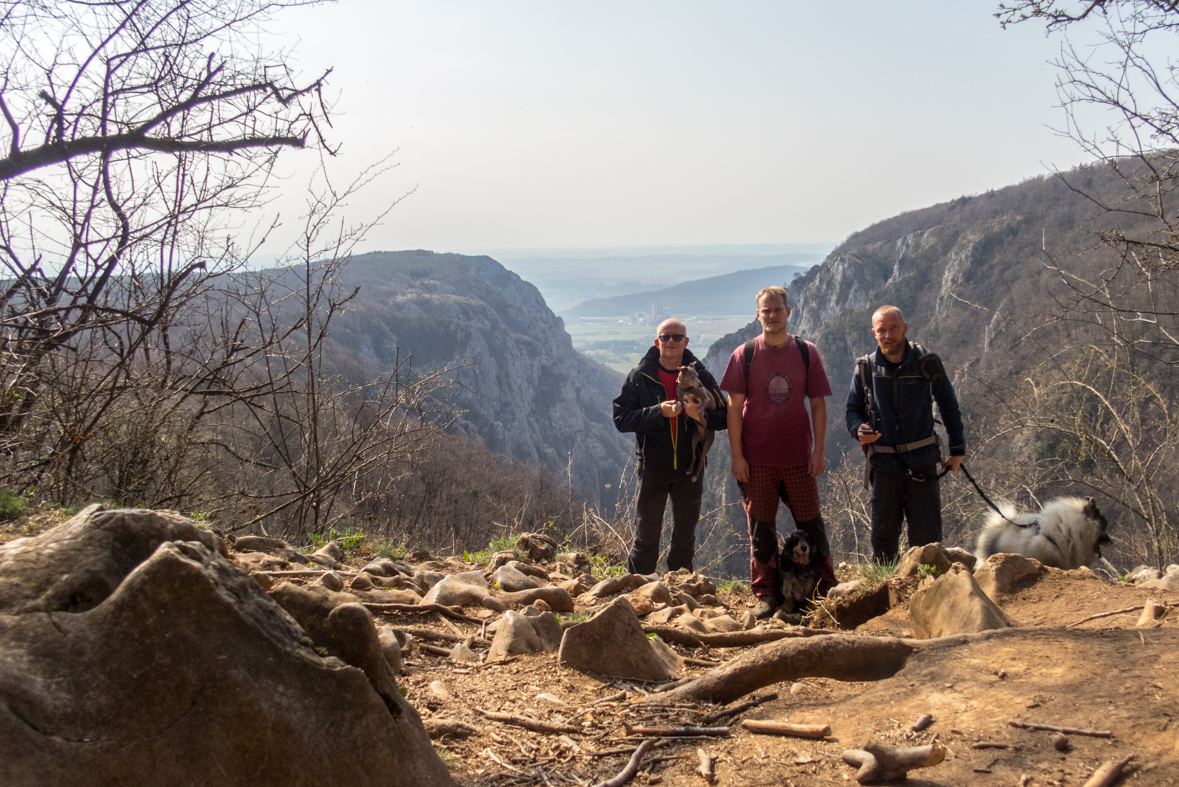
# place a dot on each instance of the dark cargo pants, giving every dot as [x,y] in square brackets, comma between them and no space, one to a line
[656,486]
[897,497]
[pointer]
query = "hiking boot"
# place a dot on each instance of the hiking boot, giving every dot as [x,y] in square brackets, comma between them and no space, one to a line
[764,608]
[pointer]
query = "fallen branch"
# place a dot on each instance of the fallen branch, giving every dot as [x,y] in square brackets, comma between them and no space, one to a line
[536,725]
[1115,612]
[741,708]
[619,697]
[631,768]
[434,650]
[675,732]
[1027,725]
[990,745]
[877,761]
[839,656]
[730,639]
[491,754]
[436,728]
[1108,773]
[766,727]
[922,722]
[1151,614]
[454,613]
[305,572]
[707,767]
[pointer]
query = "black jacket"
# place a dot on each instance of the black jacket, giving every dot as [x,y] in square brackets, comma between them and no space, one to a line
[902,410]
[637,410]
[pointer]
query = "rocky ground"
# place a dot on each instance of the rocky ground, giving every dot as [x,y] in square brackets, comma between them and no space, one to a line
[680,661]
[1105,675]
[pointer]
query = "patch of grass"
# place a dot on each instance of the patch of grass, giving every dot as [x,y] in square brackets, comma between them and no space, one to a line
[447,758]
[349,539]
[574,617]
[926,570]
[498,544]
[12,505]
[602,567]
[390,550]
[734,585]
[879,572]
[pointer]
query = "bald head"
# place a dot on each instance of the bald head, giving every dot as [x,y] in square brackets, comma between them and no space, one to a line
[671,352]
[889,310]
[889,328]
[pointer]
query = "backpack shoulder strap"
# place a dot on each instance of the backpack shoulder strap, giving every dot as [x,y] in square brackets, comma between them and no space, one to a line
[747,357]
[864,373]
[804,351]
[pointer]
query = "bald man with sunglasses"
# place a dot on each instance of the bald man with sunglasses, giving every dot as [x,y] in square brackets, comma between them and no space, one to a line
[648,407]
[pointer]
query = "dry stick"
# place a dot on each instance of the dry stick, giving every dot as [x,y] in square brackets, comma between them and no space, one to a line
[766,727]
[619,697]
[922,722]
[491,754]
[675,732]
[536,725]
[1111,614]
[433,650]
[421,609]
[631,768]
[1108,773]
[707,767]
[990,745]
[1066,730]
[741,708]
[306,572]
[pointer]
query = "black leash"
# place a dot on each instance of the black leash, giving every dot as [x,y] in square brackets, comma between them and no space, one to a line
[986,499]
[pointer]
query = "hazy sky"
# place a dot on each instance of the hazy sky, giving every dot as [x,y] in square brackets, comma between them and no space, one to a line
[553,124]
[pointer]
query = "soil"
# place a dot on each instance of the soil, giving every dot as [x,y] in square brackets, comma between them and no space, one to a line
[1104,675]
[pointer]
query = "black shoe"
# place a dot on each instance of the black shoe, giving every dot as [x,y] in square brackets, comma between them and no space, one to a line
[764,609]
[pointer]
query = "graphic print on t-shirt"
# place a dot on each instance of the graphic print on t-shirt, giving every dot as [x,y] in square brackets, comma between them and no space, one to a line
[778,387]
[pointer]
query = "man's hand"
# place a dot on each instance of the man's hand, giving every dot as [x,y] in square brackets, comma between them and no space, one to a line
[817,464]
[953,463]
[866,434]
[670,408]
[741,469]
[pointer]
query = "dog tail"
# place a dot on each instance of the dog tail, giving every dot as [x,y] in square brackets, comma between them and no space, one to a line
[997,518]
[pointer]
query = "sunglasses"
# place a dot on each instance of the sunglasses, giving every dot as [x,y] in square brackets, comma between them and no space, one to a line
[672,337]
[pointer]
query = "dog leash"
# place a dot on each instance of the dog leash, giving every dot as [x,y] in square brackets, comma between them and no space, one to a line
[987,500]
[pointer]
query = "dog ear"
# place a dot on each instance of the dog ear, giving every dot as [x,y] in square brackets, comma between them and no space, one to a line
[1090,509]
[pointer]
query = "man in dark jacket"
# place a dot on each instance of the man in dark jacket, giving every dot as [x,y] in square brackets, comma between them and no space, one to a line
[648,407]
[893,418]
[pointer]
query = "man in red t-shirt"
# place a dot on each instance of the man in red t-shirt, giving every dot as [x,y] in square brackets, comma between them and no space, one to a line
[770,435]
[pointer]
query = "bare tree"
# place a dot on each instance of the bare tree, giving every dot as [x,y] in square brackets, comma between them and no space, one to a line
[134,134]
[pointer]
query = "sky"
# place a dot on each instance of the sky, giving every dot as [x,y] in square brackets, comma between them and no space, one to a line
[529,125]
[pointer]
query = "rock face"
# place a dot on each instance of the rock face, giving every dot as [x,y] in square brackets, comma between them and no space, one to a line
[132,652]
[1003,573]
[528,395]
[954,604]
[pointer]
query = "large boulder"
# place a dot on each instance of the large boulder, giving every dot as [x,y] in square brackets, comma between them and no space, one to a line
[612,643]
[131,652]
[459,590]
[954,604]
[933,555]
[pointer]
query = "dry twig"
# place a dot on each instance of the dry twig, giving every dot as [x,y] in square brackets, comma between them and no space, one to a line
[1027,725]
[631,768]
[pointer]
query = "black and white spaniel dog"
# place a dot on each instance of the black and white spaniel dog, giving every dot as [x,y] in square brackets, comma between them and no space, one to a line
[799,571]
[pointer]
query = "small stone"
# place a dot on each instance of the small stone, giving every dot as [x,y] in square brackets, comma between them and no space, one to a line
[796,688]
[331,580]
[362,582]
[464,655]
[440,690]
[1060,742]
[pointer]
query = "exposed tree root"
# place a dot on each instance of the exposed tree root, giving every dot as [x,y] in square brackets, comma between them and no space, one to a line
[839,656]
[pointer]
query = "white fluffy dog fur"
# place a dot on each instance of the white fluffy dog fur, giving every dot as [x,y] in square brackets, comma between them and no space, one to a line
[1068,533]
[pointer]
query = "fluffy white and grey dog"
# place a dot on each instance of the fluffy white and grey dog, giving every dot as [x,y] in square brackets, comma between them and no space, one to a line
[1068,533]
[799,572]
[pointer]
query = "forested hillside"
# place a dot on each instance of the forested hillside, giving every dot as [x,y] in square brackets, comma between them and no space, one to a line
[1061,350]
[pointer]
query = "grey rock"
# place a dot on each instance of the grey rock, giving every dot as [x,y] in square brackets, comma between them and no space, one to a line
[963,556]
[463,655]
[612,643]
[954,604]
[331,580]
[928,555]
[362,581]
[271,546]
[95,705]
[426,579]
[547,628]
[1005,573]
[612,585]
[458,590]
[390,647]
[538,547]
[514,636]
[509,580]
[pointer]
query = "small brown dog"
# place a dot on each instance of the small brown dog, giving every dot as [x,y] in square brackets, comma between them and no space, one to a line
[690,390]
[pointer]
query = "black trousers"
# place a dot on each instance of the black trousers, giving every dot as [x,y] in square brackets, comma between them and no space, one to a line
[656,485]
[913,497]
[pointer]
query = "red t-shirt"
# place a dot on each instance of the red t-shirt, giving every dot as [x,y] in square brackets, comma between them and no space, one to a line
[671,384]
[776,427]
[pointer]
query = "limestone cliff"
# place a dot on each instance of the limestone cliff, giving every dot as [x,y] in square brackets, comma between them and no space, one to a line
[524,391]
